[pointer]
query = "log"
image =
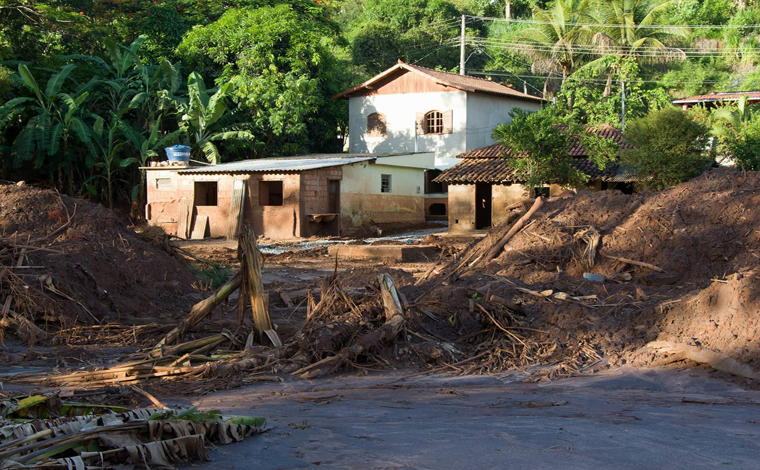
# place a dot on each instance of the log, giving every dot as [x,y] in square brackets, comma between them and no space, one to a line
[716,360]
[251,263]
[496,249]
[201,310]
[634,262]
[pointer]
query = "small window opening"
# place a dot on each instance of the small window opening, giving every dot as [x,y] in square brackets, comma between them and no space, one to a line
[437,209]
[270,193]
[206,193]
[434,122]
[163,184]
[385,183]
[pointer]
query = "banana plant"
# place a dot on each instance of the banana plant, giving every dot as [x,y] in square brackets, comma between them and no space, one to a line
[55,117]
[202,118]
[147,147]
[108,143]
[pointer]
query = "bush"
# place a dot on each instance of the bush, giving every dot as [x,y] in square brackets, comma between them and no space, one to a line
[669,147]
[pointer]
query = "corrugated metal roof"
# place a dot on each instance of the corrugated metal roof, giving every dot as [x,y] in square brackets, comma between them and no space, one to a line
[277,165]
[453,80]
[712,97]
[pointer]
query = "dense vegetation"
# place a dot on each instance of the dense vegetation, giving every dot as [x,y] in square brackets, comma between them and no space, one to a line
[93,89]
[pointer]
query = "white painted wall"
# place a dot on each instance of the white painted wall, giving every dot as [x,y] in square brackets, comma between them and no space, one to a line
[400,112]
[474,114]
[485,112]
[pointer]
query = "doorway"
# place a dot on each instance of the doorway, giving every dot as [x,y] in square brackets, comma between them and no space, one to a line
[333,196]
[483,204]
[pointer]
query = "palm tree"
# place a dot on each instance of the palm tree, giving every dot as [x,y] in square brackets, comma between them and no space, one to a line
[628,28]
[553,42]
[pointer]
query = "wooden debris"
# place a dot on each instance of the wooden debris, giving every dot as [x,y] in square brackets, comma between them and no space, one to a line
[716,360]
[633,262]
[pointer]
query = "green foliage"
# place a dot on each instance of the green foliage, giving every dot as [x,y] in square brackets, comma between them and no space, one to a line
[281,61]
[587,89]
[540,148]
[738,129]
[599,150]
[668,148]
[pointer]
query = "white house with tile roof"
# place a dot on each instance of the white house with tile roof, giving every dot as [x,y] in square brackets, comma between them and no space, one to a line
[408,108]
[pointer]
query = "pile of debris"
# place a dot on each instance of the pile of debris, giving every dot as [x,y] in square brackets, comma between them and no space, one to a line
[566,286]
[43,432]
[69,267]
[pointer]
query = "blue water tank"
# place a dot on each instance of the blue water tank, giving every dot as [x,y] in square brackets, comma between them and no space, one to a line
[178,153]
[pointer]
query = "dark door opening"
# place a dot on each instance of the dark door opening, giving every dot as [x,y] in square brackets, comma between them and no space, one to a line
[483,204]
[333,194]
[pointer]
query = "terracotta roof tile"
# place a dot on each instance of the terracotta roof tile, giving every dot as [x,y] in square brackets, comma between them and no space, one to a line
[487,165]
[711,97]
[453,80]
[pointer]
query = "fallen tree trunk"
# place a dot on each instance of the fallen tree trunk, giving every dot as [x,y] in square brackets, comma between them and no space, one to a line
[201,310]
[716,360]
[496,249]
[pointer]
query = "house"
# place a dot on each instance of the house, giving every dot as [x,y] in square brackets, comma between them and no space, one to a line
[482,185]
[713,100]
[290,197]
[409,108]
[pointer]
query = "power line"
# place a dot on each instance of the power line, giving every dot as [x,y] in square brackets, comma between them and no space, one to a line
[618,25]
[579,79]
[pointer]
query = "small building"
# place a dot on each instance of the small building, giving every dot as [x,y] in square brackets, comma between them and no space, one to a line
[714,100]
[409,108]
[482,185]
[326,194]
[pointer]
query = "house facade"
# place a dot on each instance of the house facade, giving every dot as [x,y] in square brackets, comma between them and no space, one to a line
[408,108]
[288,197]
[482,185]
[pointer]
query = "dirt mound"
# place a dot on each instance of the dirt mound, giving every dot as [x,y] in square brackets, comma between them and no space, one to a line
[81,264]
[703,238]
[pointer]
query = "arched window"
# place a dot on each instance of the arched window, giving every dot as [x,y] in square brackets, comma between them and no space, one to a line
[434,122]
[376,126]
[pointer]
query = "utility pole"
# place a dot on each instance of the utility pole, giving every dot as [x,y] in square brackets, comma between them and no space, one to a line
[623,95]
[508,11]
[461,49]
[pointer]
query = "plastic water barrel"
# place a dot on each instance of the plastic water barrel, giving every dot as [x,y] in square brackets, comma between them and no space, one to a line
[178,153]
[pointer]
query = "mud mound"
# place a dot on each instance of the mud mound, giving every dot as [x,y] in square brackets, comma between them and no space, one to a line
[81,264]
[704,235]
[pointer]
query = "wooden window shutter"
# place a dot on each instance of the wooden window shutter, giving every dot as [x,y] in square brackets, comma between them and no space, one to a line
[420,123]
[448,122]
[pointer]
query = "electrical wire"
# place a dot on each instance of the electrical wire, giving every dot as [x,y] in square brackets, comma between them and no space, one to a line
[613,25]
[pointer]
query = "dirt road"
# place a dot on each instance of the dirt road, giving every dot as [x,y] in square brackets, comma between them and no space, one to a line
[622,419]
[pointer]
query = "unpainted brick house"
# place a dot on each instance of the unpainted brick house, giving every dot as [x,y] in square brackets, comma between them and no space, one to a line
[288,197]
[482,185]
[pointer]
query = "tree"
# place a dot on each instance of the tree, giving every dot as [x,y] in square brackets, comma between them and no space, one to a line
[552,42]
[669,148]
[284,65]
[539,150]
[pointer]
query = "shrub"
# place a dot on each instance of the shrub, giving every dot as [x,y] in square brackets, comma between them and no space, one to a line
[669,147]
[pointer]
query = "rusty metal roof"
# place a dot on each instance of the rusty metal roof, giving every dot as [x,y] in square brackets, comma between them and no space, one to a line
[715,97]
[453,80]
[286,164]
[488,165]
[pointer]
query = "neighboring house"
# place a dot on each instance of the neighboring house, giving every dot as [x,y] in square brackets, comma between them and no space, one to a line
[288,197]
[716,99]
[482,185]
[409,108]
